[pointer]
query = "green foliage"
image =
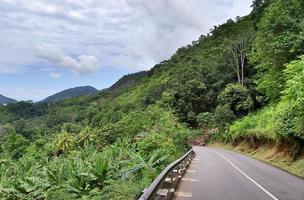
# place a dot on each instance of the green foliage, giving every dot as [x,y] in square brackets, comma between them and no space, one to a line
[13,144]
[87,137]
[189,96]
[279,40]
[293,111]
[81,162]
[162,143]
[64,142]
[282,121]
[113,144]
[238,98]
[261,125]
[70,93]
[223,115]
[204,120]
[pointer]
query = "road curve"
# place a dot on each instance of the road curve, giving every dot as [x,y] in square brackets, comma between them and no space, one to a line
[217,174]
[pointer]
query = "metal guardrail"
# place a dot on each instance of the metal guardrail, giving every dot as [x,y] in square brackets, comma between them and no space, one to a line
[164,186]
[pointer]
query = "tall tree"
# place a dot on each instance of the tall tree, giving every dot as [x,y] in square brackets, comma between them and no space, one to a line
[238,51]
[279,40]
[237,46]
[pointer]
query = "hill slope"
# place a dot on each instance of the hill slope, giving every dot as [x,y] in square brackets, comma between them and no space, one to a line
[124,136]
[128,80]
[6,100]
[70,93]
[111,145]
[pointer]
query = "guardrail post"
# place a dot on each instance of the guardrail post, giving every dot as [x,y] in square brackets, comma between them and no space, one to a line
[164,186]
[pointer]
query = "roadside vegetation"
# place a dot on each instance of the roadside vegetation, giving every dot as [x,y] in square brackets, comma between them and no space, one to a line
[241,83]
[273,131]
[276,52]
[269,154]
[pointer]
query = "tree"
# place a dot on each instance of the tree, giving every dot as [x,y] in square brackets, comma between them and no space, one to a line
[258,7]
[237,45]
[204,120]
[238,50]
[258,3]
[238,98]
[223,116]
[190,94]
[20,125]
[14,144]
[279,40]
[292,117]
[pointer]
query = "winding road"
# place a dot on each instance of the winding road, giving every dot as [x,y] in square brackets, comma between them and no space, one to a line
[217,174]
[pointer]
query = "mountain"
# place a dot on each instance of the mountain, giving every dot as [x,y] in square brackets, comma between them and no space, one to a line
[70,93]
[6,100]
[231,86]
[128,80]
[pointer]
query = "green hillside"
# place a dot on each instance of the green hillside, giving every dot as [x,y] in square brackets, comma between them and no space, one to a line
[276,53]
[70,93]
[113,144]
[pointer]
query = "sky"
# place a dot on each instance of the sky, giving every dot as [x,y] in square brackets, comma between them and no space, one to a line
[50,45]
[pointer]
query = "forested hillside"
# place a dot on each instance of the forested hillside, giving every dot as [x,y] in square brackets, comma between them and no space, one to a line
[70,93]
[6,100]
[112,145]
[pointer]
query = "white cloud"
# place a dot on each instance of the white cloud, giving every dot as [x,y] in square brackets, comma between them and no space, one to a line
[55,75]
[134,34]
[157,29]
[84,64]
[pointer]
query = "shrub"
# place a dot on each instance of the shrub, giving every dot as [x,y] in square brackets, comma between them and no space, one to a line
[204,120]
[223,115]
[238,98]
[259,125]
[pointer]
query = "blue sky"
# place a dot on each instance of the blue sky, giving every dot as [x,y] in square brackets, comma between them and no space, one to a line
[50,45]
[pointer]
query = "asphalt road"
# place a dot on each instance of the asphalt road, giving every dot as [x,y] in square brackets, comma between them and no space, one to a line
[217,174]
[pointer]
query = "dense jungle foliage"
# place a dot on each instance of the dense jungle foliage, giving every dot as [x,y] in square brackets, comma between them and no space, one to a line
[236,80]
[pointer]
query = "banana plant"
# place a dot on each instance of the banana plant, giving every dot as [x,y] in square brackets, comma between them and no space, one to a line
[26,181]
[86,137]
[147,167]
[64,142]
[79,177]
[100,169]
[56,171]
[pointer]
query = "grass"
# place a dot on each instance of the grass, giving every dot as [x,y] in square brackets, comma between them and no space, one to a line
[259,125]
[268,154]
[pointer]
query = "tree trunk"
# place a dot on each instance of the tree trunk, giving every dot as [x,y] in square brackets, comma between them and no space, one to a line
[238,52]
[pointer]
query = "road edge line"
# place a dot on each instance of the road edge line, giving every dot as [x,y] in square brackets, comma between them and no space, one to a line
[244,174]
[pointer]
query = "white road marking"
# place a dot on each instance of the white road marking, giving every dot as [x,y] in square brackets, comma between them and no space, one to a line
[190,171]
[248,177]
[183,194]
[189,179]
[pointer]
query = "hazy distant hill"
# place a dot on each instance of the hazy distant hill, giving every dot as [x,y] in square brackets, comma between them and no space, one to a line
[70,93]
[6,100]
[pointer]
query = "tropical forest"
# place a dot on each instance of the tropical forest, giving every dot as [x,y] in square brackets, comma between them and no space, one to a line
[241,86]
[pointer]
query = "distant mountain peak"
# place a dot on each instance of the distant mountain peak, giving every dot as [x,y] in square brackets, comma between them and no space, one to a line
[6,100]
[70,93]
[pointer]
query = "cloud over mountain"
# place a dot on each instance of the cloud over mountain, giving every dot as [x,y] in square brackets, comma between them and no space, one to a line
[82,65]
[44,40]
[130,34]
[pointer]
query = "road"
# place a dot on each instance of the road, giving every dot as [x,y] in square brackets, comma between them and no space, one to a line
[217,174]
